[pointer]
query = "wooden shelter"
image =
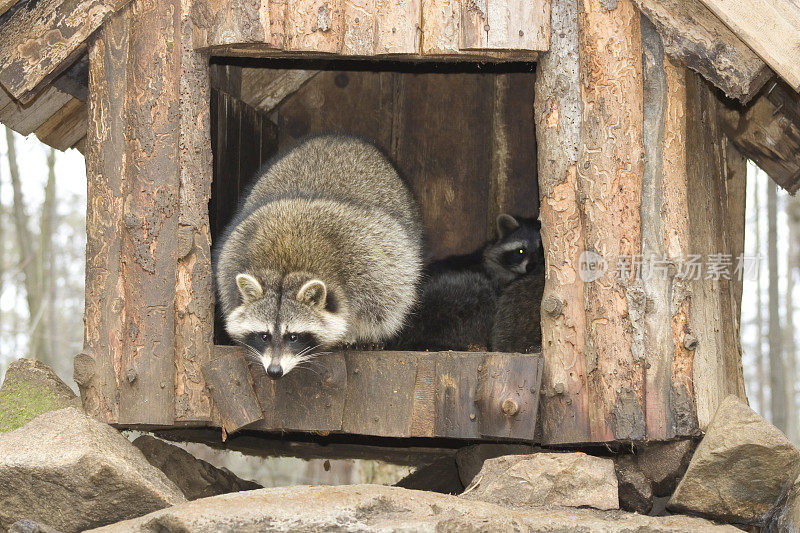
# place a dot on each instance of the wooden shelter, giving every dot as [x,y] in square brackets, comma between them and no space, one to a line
[625,125]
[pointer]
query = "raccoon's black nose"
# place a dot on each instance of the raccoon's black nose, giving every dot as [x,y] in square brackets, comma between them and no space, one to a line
[274,371]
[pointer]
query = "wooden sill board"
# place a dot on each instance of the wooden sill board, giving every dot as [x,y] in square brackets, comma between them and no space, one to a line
[458,395]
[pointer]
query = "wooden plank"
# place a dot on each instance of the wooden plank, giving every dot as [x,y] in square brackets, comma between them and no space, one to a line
[770,27]
[5,5]
[398,394]
[266,88]
[219,23]
[768,137]
[229,382]
[39,42]
[194,289]
[24,119]
[384,27]
[66,127]
[97,367]
[716,366]
[426,109]
[675,220]
[322,384]
[314,25]
[610,160]
[507,396]
[557,104]
[441,20]
[514,187]
[507,25]
[692,34]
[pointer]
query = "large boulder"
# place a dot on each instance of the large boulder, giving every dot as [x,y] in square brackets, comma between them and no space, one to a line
[740,470]
[31,388]
[564,479]
[786,518]
[195,478]
[470,459]
[377,508]
[71,472]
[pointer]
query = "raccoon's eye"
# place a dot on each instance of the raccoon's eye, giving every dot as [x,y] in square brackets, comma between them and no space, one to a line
[521,251]
[264,337]
[292,337]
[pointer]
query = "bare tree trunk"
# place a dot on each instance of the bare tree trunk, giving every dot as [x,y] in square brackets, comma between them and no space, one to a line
[760,374]
[47,271]
[27,255]
[793,216]
[777,377]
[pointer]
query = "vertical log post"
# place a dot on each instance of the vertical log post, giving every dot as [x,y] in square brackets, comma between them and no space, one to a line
[609,188]
[557,111]
[148,268]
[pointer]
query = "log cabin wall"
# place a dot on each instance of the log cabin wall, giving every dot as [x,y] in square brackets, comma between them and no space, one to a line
[632,162]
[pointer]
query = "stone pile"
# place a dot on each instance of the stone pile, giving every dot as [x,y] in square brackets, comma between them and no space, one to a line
[62,471]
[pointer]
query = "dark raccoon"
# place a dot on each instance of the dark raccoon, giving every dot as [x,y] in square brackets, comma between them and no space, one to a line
[325,250]
[458,298]
[517,321]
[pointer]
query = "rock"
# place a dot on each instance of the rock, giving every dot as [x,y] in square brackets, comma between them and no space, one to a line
[31,388]
[30,526]
[72,472]
[740,469]
[377,508]
[664,463]
[787,516]
[470,459]
[564,479]
[439,476]
[196,478]
[635,490]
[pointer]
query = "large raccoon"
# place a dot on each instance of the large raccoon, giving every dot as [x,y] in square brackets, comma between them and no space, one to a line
[325,250]
[458,298]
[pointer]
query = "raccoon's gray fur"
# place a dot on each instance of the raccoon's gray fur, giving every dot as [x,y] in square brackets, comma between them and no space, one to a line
[458,298]
[325,250]
[517,321]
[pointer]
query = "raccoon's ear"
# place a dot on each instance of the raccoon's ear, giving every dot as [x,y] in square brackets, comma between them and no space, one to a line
[506,225]
[249,287]
[313,293]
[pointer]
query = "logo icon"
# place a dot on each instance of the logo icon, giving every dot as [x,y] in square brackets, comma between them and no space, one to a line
[591,266]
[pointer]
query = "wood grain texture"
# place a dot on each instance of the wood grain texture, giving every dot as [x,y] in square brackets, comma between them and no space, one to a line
[5,5]
[265,88]
[557,105]
[151,214]
[194,290]
[507,25]
[24,119]
[231,388]
[66,127]
[692,34]
[609,189]
[96,368]
[770,27]
[218,22]
[37,43]
[716,367]
[397,394]
[763,133]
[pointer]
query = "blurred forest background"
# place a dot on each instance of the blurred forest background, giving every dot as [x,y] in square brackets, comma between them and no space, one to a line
[42,241]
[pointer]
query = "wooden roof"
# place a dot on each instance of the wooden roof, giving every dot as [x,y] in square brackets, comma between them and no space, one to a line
[749,50]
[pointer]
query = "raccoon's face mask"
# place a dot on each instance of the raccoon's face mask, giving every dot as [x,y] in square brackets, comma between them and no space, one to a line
[287,326]
[518,249]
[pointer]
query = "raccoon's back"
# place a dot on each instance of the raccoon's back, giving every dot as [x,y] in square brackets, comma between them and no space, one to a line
[517,322]
[342,168]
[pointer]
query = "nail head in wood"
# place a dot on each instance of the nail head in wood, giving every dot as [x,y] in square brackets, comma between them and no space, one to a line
[510,407]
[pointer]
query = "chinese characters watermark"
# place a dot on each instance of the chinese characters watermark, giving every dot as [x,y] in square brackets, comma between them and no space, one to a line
[593,266]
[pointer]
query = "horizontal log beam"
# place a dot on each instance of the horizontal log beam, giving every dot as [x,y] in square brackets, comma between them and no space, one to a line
[770,27]
[770,138]
[458,395]
[693,34]
[39,42]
